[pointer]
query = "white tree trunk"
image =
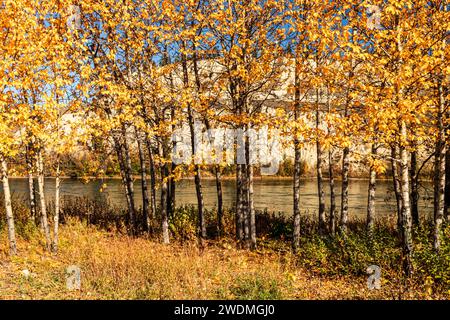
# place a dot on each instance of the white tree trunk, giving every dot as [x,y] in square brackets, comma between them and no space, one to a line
[44,219]
[371,195]
[406,208]
[439,192]
[8,207]
[57,208]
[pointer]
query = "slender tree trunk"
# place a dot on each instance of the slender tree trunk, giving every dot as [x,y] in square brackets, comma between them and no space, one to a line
[239,204]
[346,164]
[344,192]
[218,179]
[447,180]
[297,217]
[414,189]
[396,182]
[57,207]
[250,202]
[217,173]
[332,222]
[171,194]
[197,174]
[201,216]
[198,181]
[129,181]
[245,192]
[171,190]
[8,207]
[439,183]
[220,218]
[245,211]
[164,190]
[164,213]
[123,173]
[297,157]
[144,188]
[31,188]
[251,208]
[320,190]
[170,198]
[406,218]
[240,185]
[371,195]
[44,218]
[152,177]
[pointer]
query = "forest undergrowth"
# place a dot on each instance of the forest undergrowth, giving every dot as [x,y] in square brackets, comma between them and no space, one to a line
[116,265]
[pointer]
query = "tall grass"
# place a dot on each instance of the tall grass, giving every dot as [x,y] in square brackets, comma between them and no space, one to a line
[95,234]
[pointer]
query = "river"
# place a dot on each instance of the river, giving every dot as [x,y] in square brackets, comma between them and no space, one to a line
[271,193]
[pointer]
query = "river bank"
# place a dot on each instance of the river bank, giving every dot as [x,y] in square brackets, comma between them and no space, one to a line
[94,237]
[115,266]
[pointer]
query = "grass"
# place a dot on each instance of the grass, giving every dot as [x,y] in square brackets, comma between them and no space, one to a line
[117,266]
[120,267]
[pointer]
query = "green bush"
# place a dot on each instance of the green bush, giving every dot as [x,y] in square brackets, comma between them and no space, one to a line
[428,263]
[183,223]
[351,253]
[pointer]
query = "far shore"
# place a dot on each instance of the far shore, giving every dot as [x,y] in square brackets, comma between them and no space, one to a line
[136,177]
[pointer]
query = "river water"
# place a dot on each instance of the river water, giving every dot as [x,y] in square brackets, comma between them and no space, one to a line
[269,193]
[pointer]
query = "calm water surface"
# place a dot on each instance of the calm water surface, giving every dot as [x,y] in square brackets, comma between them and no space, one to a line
[270,193]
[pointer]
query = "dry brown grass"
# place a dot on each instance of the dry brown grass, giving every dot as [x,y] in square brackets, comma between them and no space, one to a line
[119,267]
